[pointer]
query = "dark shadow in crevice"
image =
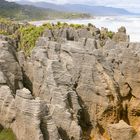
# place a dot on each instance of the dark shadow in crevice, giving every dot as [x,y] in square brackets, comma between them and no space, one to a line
[83,115]
[63,134]
[70,38]
[27,83]
[101,129]
[1,127]
[124,115]
[84,120]
[124,111]
[44,130]
[69,101]
[12,50]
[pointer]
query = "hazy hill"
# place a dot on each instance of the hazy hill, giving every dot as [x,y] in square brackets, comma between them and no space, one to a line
[29,12]
[95,10]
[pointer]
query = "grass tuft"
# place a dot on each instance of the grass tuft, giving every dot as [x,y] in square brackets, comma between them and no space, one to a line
[7,134]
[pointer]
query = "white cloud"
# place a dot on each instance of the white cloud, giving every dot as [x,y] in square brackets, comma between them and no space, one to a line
[60,1]
[128,4]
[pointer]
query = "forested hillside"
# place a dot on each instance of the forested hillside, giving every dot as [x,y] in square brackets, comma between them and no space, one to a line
[13,10]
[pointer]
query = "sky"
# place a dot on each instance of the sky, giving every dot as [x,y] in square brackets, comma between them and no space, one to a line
[131,5]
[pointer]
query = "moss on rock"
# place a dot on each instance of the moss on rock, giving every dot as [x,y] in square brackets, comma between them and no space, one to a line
[7,134]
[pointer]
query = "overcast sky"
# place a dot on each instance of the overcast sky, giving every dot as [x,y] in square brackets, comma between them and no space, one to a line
[132,5]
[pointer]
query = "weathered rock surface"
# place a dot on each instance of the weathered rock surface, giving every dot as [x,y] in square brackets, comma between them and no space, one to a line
[28,117]
[121,36]
[122,131]
[71,34]
[71,88]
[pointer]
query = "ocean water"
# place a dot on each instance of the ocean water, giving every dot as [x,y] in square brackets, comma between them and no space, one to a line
[132,24]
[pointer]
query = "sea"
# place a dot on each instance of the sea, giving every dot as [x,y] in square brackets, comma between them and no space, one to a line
[132,24]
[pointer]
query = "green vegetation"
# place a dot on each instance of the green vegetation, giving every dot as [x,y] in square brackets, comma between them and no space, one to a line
[62,25]
[5,21]
[25,12]
[3,32]
[106,34]
[110,34]
[28,37]
[25,34]
[48,25]
[8,27]
[7,134]
[77,26]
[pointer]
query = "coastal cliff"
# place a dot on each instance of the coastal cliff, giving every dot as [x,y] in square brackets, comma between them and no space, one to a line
[76,83]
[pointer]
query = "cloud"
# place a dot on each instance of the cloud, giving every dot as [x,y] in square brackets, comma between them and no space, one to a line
[121,3]
[61,1]
[127,4]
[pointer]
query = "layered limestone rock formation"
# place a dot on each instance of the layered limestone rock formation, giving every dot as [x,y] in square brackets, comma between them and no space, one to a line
[71,88]
[28,116]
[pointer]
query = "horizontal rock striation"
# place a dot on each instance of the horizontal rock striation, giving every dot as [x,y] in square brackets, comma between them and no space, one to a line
[71,88]
[28,116]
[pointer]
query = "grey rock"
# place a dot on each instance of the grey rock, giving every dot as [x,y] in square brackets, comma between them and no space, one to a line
[7,104]
[76,88]
[9,65]
[2,78]
[122,30]
[121,36]
[84,33]
[30,116]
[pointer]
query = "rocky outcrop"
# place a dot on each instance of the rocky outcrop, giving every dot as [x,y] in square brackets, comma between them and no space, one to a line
[32,118]
[122,131]
[71,34]
[71,88]
[121,36]
[28,117]
[9,66]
